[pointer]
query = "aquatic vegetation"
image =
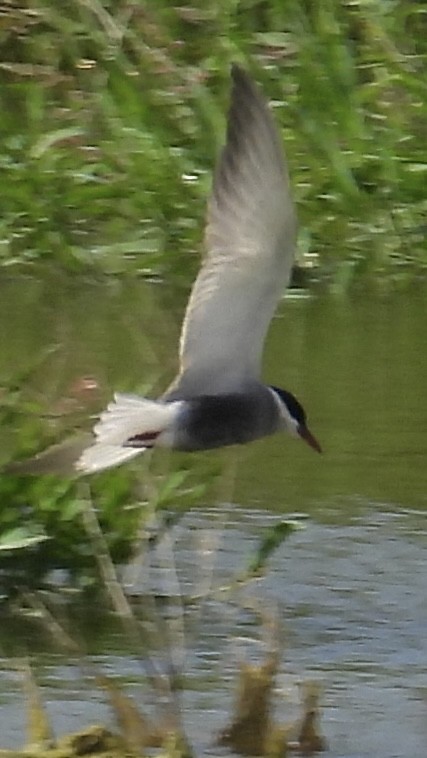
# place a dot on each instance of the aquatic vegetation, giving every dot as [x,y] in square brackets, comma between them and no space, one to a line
[112,114]
[42,519]
[42,524]
[252,729]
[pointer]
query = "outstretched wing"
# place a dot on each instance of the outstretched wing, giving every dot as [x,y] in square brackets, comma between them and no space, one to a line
[250,241]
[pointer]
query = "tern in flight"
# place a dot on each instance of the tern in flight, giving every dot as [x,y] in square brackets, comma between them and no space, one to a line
[218,398]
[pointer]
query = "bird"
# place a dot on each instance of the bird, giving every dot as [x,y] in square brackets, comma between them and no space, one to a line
[218,397]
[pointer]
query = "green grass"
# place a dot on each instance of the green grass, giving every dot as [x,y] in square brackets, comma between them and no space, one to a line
[112,114]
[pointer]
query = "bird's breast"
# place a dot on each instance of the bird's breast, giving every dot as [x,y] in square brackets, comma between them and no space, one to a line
[211,421]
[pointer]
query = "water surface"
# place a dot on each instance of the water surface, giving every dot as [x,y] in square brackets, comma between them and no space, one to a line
[350,586]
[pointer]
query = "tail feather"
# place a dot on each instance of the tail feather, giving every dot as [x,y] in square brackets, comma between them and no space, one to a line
[99,457]
[127,417]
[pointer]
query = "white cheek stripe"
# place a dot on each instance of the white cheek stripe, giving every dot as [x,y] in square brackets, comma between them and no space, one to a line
[290,423]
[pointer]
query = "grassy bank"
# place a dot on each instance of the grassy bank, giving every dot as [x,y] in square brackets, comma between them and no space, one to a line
[112,114]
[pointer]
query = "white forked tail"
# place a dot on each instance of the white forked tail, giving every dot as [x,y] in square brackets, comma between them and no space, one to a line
[128,426]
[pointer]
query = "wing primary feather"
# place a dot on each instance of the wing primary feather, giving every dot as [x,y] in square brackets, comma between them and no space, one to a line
[250,242]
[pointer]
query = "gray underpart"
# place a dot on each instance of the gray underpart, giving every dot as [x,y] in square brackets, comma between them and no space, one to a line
[212,421]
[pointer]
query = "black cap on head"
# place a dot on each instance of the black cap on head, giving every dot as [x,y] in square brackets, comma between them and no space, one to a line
[298,413]
[293,405]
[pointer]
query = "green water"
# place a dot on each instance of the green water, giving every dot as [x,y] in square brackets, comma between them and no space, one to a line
[359,366]
[350,587]
[110,125]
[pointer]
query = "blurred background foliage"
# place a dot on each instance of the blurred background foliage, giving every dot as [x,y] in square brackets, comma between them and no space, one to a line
[111,117]
[112,113]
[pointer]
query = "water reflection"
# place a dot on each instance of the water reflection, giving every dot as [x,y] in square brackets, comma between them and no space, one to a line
[352,585]
[358,364]
[352,604]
